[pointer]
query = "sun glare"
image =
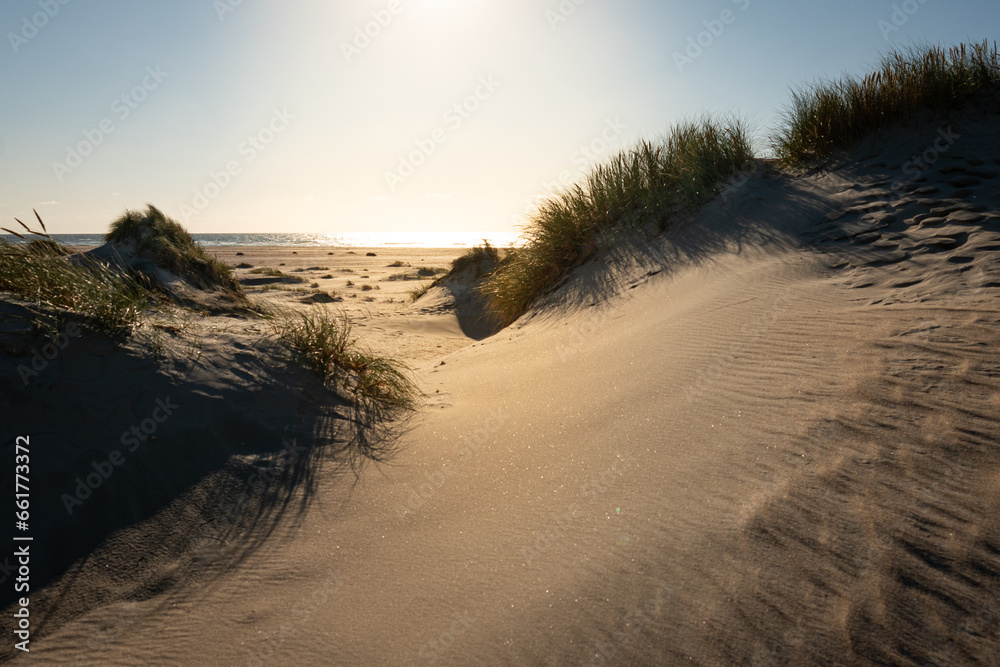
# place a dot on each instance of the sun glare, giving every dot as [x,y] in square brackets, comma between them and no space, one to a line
[448,13]
[442,5]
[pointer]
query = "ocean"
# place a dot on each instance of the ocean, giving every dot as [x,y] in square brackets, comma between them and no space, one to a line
[359,240]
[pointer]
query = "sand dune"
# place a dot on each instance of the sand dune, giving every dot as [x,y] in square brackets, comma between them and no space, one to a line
[766,438]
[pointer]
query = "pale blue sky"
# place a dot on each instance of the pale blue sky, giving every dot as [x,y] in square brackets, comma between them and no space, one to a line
[537,84]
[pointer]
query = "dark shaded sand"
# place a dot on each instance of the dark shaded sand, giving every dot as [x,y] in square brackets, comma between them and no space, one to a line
[769,437]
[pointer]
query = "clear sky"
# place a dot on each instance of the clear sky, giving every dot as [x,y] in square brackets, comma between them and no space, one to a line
[449,115]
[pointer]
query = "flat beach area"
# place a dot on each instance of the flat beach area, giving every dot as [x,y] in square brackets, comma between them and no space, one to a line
[373,287]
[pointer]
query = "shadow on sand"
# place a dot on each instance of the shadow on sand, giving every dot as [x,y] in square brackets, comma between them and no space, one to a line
[146,474]
[768,210]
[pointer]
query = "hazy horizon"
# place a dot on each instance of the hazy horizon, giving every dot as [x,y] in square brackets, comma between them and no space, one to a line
[401,239]
[391,116]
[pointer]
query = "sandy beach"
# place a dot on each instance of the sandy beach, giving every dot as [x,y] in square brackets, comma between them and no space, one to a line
[767,436]
[371,286]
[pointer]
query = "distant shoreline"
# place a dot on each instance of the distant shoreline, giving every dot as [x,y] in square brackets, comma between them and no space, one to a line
[450,240]
[284,248]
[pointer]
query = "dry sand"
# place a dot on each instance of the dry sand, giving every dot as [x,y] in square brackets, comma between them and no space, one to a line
[769,437]
[373,291]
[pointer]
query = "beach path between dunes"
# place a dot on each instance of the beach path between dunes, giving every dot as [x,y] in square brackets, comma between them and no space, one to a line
[780,448]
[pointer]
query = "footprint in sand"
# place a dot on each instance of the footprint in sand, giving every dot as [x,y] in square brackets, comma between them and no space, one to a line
[965,182]
[966,217]
[889,257]
[866,208]
[950,208]
[984,174]
[870,237]
[938,243]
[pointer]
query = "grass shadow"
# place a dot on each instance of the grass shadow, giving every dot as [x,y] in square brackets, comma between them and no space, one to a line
[769,210]
[149,474]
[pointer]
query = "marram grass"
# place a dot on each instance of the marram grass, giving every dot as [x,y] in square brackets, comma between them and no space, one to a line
[376,387]
[831,115]
[173,248]
[647,183]
[476,256]
[653,180]
[38,271]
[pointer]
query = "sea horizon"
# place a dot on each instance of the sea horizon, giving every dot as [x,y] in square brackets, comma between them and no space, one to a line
[306,239]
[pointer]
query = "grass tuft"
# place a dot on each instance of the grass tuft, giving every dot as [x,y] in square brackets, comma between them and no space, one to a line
[46,246]
[105,299]
[649,182]
[172,248]
[418,292]
[378,388]
[476,256]
[831,115]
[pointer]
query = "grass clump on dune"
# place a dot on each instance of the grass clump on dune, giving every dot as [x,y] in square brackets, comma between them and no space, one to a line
[377,387]
[476,256]
[172,248]
[482,259]
[277,273]
[832,115]
[418,292]
[47,246]
[647,183]
[107,300]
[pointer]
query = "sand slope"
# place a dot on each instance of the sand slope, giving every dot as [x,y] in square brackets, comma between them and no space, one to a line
[767,439]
